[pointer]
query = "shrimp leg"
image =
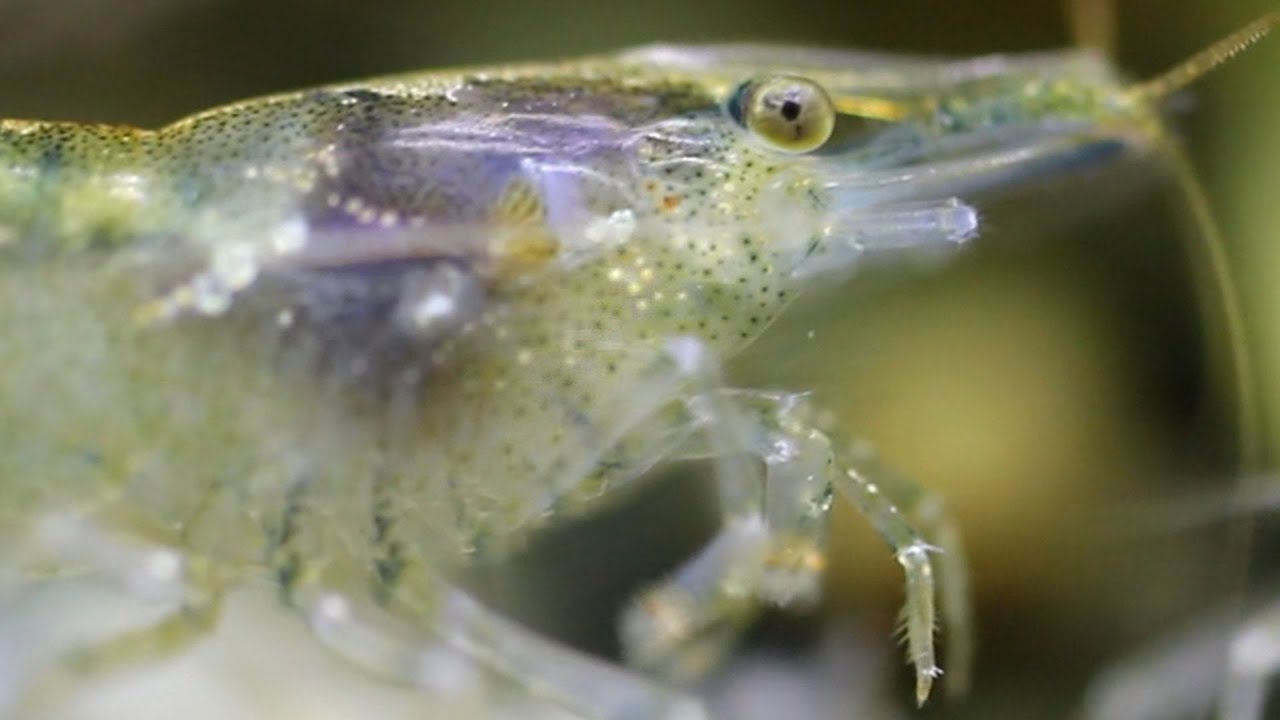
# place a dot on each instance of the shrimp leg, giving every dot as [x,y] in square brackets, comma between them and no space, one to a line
[771,548]
[419,629]
[454,643]
[147,570]
[465,643]
[927,510]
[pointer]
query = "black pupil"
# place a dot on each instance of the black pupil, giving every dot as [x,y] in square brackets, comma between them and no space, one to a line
[790,110]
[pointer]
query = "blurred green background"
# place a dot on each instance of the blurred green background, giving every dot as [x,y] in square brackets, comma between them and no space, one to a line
[1064,383]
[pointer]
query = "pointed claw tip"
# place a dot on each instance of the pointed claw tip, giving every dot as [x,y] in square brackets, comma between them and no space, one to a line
[924,683]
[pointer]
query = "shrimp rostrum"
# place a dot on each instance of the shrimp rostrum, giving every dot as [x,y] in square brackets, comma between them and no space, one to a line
[358,337]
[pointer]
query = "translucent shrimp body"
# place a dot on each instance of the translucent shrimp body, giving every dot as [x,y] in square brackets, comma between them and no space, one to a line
[360,335]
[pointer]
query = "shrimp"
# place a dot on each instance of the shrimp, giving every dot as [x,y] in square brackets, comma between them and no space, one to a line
[359,337]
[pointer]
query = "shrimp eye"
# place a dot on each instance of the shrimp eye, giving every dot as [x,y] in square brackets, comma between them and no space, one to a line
[790,113]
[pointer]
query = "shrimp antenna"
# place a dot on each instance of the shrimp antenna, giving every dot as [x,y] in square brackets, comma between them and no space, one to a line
[1239,544]
[1196,66]
[1218,265]
[1238,549]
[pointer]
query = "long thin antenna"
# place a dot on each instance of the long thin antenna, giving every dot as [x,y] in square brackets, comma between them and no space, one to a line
[1238,548]
[1219,270]
[1195,67]
[1239,544]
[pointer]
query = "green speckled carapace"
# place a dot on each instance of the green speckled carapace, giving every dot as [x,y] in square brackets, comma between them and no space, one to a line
[359,335]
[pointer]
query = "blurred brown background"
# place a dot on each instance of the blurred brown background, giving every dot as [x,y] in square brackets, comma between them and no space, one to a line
[1062,383]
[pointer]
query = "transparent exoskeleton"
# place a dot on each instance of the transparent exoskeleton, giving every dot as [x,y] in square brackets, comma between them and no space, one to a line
[355,339]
